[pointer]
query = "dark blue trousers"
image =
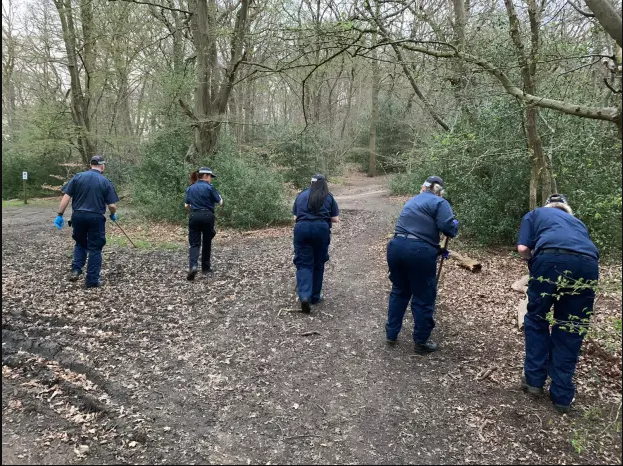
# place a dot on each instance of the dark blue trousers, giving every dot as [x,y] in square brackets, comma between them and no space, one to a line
[311,251]
[200,225]
[89,233]
[412,271]
[554,350]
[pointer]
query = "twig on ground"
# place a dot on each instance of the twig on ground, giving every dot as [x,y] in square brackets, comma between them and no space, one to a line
[538,417]
[483,375]
[323,410]
[311,332]
[286,310]
[612,423]
[301,436]
[482,427]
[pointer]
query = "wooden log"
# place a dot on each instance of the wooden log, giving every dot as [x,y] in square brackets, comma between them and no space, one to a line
[466,262]
[522,310]
[521,286]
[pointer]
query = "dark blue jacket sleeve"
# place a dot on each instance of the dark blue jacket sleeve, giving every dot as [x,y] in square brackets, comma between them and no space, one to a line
[444,219]
[69,188]
[526,232]
[110,197]
[294,206]
[335,210]
[216,196]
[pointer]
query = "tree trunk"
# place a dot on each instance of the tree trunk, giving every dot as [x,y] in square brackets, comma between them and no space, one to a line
[79,103]
[460,81]
[535,151]
[541,173]
[374,116]
[349,101]
[609,17]
[211,98]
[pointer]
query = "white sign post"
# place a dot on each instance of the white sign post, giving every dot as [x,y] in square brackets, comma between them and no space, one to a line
[24,178]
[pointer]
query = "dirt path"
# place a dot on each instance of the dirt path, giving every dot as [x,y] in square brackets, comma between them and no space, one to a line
[153,369]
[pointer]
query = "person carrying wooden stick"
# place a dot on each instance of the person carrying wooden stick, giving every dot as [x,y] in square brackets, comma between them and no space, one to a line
[412,259]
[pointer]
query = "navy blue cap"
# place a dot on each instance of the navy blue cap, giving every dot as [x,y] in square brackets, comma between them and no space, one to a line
[98,160]
[206,171]
[431,180]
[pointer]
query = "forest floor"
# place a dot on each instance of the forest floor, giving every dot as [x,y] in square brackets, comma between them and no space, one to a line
[153,369]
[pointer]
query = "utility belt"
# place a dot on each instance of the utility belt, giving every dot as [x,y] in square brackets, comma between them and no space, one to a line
[563,251]
[202,210]
[410,236]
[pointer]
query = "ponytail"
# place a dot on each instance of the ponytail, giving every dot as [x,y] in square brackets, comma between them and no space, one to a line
[318,194]
[194,176]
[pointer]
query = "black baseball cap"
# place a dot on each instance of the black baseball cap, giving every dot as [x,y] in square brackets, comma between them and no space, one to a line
[98,160]
[206,171]
[317,177]
[431,180]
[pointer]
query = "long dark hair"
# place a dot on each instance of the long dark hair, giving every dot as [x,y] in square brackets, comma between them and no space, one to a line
[194,176]
[319,192]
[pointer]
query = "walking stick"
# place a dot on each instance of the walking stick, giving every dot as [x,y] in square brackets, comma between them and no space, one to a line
[126,235]
[445,247]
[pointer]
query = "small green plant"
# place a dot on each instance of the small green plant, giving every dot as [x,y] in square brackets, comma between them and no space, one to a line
[608,332]
[578,442]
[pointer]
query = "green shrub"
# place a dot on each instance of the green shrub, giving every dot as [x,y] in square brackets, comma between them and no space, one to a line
[301,154]
[38,143]
[163,176]
[254,194]
[39,168]
[487,174]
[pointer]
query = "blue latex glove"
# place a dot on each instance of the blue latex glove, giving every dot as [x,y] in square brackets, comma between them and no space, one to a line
[59,222]
[113,217]
[445,254]
[455,222]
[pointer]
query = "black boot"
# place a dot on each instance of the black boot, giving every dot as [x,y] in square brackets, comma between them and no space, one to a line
[562,409]
[425,348]
[305,307]
[74,276]
[530,389]
[191,273]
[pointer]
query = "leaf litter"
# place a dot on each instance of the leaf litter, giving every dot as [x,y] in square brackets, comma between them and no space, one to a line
[152,369]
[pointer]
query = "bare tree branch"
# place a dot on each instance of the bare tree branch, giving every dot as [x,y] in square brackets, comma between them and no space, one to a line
[577,8]
[163,7]
[609,17]
[427,105]
[611,114]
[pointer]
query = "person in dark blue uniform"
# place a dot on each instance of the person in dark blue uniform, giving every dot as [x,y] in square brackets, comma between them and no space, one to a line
[201,197]
[315,210]
[90,192]
[556,245]
[412,258]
